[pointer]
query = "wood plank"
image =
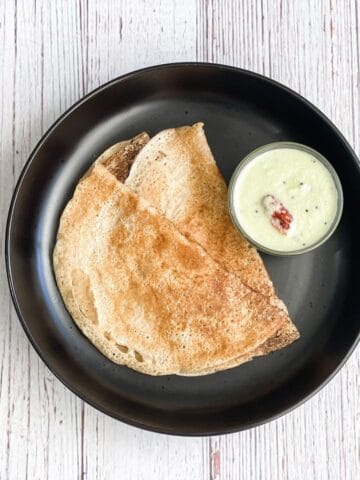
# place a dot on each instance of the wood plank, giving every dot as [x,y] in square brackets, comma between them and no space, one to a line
[52,54]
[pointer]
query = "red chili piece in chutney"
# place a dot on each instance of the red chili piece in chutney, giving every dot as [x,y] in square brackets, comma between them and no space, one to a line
[279,215]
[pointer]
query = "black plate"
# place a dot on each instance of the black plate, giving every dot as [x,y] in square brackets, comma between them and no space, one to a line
[241,111]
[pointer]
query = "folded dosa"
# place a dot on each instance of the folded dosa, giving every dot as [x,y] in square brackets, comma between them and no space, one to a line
[177,174]
[146,295]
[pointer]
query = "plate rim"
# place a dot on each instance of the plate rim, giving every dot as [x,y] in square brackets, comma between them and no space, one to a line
[18,185]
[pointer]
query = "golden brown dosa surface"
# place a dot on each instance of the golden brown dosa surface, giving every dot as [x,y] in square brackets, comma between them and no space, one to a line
[147,296]
[177,174]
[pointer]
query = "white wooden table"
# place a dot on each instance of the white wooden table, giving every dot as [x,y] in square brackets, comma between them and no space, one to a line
[52,53]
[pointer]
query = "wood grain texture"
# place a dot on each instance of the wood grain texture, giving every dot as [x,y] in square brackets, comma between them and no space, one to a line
[51,54]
